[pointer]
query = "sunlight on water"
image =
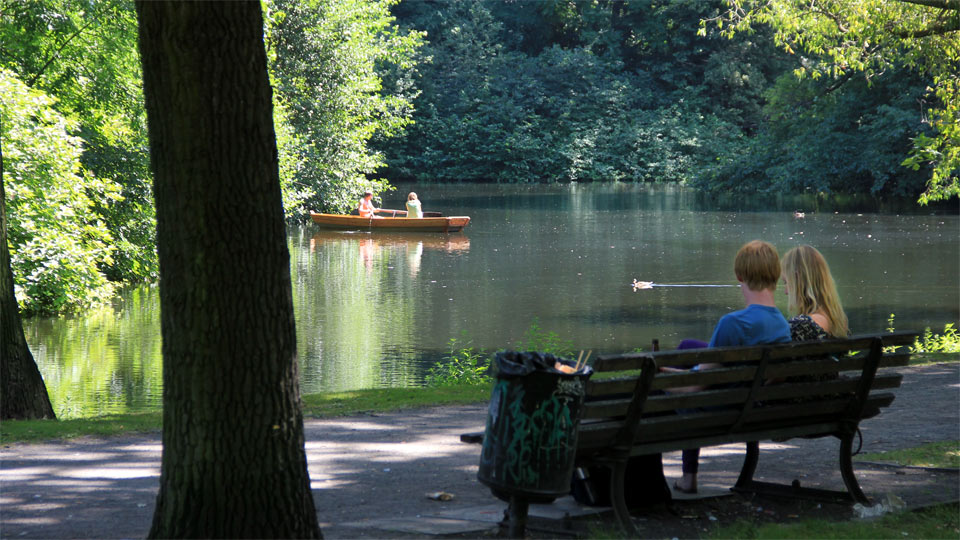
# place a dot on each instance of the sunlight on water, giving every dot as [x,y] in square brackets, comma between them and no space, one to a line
[377,309]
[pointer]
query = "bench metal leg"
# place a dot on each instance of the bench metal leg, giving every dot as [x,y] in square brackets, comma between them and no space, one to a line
[746,483]
[749,465]
[846,470]
[618,473]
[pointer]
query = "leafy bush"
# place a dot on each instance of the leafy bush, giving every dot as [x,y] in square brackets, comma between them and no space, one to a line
[57,240]
[464,365]
[468,365]
[538,339]
[947,342]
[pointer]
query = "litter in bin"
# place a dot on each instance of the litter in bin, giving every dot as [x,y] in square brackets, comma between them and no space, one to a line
[581,362]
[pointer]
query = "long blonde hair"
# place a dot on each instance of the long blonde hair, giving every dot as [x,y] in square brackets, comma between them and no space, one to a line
[810,288]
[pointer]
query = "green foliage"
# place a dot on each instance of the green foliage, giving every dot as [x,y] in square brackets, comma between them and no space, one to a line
[930,343]
[871,37]
[850,139]
[580,102]
[84,55]
[465,365]
[57,240]
[537,339]
[947,342]
[328,60]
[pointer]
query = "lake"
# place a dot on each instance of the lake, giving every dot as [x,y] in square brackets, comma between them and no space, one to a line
[376,310]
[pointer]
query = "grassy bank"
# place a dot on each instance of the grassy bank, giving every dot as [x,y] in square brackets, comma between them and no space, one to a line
[943,455]
[923,359]
[935,522]
[314,406]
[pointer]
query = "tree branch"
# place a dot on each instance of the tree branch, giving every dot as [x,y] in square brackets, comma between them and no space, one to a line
[939,4]
[33,80]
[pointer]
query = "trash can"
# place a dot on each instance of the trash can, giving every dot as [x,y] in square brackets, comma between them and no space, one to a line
[530,440]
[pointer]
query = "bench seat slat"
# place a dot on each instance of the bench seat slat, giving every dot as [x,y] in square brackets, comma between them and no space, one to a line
[688,426]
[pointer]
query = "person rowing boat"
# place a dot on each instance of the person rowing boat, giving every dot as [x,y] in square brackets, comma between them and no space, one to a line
[366,208]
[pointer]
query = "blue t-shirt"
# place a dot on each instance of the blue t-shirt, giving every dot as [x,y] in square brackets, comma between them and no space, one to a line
[754,325]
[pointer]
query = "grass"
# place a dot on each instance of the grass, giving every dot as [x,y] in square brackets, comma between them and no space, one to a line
[941,521]
[314,406]
[101,426]
[945,455]
[392,399]
[923,359]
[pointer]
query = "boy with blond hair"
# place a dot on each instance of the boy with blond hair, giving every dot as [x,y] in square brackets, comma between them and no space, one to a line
[757,267]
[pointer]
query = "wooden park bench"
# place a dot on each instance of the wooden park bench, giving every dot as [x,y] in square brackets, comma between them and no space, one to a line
[758,393]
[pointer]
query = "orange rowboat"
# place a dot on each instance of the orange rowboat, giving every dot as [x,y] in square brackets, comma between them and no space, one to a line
[442,224]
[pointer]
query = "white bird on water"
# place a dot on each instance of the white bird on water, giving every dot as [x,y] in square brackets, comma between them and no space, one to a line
[638,285]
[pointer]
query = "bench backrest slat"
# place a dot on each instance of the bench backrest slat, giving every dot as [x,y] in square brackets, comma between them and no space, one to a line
[599,388]
[723,355]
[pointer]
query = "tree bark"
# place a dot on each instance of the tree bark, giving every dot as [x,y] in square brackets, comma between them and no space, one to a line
[233,461]
[23,395]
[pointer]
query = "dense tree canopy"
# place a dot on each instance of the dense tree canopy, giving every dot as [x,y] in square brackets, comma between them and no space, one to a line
[328,57]
[557,91]
[571,91]
[873,37]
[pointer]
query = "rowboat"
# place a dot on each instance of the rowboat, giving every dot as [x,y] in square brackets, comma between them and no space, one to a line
[428,223]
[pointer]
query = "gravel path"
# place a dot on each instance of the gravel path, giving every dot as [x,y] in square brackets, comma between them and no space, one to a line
[365,468]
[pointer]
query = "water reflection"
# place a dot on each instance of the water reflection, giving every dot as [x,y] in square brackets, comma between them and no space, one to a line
[377,309]
[108,360]
[358,307]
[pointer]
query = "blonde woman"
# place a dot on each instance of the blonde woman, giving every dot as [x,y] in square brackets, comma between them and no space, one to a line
[812,296]
[413,206]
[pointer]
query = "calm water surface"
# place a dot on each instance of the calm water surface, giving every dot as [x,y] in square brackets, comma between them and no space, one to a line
[376,310]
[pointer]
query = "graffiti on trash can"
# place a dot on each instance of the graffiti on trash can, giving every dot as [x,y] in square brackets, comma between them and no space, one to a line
[522,448]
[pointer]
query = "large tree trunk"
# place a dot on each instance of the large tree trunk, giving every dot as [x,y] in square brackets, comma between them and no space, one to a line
[233,462]
[22,392]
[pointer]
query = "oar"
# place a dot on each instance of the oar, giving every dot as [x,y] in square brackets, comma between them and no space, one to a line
[395,213]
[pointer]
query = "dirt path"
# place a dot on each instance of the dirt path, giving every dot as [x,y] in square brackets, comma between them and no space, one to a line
[367,468]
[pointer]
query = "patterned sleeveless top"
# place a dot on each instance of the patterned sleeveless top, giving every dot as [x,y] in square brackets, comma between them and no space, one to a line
[802,328]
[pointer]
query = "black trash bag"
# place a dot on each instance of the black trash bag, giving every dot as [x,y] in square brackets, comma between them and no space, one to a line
[532,426]
[644,483]
[519,364]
